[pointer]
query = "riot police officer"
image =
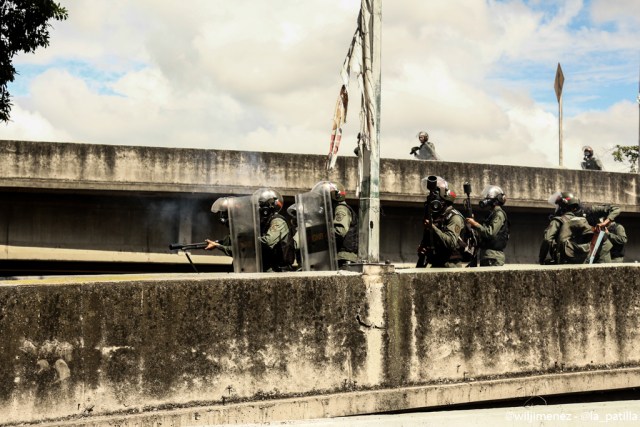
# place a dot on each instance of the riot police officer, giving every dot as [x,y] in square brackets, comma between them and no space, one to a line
[590,162]
[345,222]
[220,210]
[426,150]
[443,225]
[493,233]
[618,238]
[568,235]
[278,252]
[600,216]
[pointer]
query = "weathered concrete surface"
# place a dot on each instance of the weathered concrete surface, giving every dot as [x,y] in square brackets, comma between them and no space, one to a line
[338,408]
[97,345]
[92,167]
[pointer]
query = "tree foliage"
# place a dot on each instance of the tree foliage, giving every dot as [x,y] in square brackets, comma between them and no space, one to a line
[24,26]
[627,154]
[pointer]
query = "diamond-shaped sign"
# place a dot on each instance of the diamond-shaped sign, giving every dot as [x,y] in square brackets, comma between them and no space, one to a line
[559,82]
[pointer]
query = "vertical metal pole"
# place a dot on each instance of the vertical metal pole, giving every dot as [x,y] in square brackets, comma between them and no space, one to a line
[369,236]
[557,85]
[560,129]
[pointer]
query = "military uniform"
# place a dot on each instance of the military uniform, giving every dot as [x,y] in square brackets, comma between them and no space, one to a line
[277,245]
[592,163]
[446,240]
[566,239]
[493,235]
[596,214]
[224,245]
[345,224]
[618,238]
[426,151]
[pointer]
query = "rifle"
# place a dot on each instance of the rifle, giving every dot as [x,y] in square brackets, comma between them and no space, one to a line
[472,248]
[467,202]
[187,246]
[432,185]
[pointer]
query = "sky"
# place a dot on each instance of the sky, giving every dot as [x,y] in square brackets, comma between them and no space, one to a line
[477,75]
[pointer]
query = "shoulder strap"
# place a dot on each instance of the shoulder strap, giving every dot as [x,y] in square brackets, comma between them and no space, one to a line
[455,212]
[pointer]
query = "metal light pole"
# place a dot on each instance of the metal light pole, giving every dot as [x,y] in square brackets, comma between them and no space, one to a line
[369,217]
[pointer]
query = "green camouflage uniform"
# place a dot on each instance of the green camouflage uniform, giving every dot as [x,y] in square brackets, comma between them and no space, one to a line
[446,240]
[277,232]
[488,232]
[618,238]
[225,246]
[596,214]
[578,232]
[592,164]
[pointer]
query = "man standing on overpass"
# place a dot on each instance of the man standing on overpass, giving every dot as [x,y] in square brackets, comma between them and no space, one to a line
[590,162]
[426,150]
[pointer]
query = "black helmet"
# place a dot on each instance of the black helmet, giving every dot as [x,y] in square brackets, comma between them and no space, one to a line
[565,200]
[269,201]
[588,151]
[220,209]
[335,189]
[492,195]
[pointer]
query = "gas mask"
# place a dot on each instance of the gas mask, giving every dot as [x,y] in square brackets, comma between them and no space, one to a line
[485,204]
[435,205]
[223,217]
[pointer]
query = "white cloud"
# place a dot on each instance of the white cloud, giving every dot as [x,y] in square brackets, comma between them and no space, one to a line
[28,126]
[264,76]
[622,12]
[603,130]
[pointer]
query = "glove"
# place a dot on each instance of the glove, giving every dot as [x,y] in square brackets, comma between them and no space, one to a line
[413,150]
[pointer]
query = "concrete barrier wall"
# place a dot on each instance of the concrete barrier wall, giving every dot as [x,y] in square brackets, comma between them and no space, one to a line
[98,345]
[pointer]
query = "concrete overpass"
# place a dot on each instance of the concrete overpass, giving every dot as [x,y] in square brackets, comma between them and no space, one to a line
[184,349]
[118,206]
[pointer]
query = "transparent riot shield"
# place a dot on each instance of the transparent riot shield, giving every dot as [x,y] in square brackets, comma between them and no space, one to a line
[244,231]
[315,231]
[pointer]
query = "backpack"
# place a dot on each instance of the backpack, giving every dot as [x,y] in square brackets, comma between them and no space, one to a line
[573,239]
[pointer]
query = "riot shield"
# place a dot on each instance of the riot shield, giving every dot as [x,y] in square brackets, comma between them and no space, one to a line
[315,231]
[244,231]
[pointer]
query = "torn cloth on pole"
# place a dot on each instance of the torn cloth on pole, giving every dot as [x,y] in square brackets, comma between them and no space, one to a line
[358,61]
[339,118]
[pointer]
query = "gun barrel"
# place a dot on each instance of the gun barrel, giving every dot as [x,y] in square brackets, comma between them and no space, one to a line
[432,182]
[180,246]
[467,188]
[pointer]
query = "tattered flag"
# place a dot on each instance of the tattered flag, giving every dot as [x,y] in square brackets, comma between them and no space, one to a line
[358,61]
